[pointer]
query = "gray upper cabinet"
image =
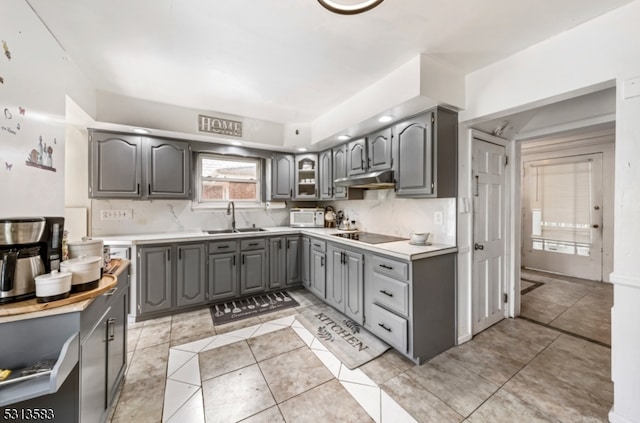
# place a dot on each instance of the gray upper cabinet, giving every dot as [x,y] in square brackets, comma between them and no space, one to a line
[340,170]
[154,276]
[128,166]
[116,165]
[326,175]
[357,157]
[190,275]
[282,167]
[167,165]
[379,150]
[306,177]
[425,153]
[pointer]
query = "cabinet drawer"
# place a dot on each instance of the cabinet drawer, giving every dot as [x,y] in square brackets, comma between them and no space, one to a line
[389,327]
[318,245]
[391,293]
[223,246]
[394,268]
[252,244]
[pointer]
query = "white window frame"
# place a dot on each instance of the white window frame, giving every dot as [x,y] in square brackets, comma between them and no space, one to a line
[257,202]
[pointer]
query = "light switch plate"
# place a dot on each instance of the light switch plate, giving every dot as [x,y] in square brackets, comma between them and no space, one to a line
[126,214]
[437,218]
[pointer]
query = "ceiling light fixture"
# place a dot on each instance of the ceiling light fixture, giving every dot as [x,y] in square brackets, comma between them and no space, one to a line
[350,8]
[302,149]
[141,131]
[385,118]
[236,143]
[344,137]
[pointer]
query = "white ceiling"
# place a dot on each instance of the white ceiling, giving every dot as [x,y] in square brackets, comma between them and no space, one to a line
[288,60]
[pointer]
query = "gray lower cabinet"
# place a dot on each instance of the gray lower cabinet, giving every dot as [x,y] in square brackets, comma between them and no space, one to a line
[173,271]
[190,275]
[253,266]
[305,261]
[318,268]
[223,270]
[284,261]
[425,155]
[293,274]
[411,304]
[154,279]
[346,281]
[103,347]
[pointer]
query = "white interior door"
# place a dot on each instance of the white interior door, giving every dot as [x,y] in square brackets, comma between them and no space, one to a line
[489,234]
[562,216]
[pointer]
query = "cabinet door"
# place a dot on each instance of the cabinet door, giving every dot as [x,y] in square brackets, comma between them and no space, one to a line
[326,175]
[340,169]
[318,273]
[116,165]
[354,285]
[379,150]
[190,275]
[293,271]
[117,339]
[223,276]
[282,177]
[277,262]
[253,273]
[306,177]
[356,157]
[305,262]
[167,169]
[93,375]
[414,157]
[154,279]
[335,281]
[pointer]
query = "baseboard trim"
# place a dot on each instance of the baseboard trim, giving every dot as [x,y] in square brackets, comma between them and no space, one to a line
[626,280]
[616,418]
[465,338]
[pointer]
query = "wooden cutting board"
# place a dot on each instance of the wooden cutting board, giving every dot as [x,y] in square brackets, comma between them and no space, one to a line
[28,306]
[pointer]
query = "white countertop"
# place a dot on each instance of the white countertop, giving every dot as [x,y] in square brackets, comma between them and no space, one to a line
[398,249]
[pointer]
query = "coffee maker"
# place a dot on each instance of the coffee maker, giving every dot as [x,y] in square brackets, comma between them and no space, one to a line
[29,246]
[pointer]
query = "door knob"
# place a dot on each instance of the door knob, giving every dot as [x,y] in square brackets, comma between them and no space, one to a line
[595,226]
[477,246]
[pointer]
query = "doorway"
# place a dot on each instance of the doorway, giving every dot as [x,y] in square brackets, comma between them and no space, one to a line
[562,215]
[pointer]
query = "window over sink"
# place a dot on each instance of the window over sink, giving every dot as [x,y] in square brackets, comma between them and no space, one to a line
[228,178]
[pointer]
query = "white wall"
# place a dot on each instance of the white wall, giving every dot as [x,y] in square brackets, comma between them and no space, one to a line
[584,59]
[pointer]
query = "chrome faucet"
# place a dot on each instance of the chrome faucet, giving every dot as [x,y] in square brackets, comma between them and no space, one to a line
[231,210]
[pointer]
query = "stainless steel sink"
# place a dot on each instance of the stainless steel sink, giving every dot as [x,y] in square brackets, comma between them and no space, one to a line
[229,231]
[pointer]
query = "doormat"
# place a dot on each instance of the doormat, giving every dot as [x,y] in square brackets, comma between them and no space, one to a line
[232,311]
[349,341]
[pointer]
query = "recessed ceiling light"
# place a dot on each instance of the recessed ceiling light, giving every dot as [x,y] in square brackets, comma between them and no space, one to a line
[341,8]
[344,137]
[302,149]
[141,131]
[385,118]
[236,143]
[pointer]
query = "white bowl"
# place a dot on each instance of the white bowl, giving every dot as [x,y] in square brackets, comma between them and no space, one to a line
[86,272]
[53,285]
[420,238]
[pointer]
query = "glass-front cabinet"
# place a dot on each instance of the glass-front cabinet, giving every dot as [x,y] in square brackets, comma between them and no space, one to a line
[306,177]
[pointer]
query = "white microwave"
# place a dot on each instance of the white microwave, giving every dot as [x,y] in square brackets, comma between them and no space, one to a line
[306,218]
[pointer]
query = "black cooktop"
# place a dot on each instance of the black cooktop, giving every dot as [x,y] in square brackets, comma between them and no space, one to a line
[368,237]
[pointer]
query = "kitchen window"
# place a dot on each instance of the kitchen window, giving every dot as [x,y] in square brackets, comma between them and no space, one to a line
[227,178]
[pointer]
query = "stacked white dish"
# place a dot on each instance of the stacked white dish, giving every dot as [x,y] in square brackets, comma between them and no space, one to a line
[86,272]
[85,248]
[419,238]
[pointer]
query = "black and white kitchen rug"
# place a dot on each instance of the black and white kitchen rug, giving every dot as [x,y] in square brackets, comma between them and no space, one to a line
[345,338]
[231,311]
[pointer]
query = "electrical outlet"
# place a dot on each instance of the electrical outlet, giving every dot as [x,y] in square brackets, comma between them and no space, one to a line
[126,214]
[437,218]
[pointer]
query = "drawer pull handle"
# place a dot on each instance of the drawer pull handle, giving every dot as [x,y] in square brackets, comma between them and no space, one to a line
[384,266]
[384,327]
[223,246]
[317,245]
[110,292]
[253,244]
[382,291]
[111,329]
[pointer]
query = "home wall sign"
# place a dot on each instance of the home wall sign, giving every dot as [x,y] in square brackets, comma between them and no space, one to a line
[216,125]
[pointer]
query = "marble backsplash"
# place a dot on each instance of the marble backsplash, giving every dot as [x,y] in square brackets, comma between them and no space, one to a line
[380,212]
[162,216]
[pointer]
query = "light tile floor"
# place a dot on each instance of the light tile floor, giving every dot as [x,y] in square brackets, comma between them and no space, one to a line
[182,369]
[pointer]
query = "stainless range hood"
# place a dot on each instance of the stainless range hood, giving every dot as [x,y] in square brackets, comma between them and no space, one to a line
[382,179]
